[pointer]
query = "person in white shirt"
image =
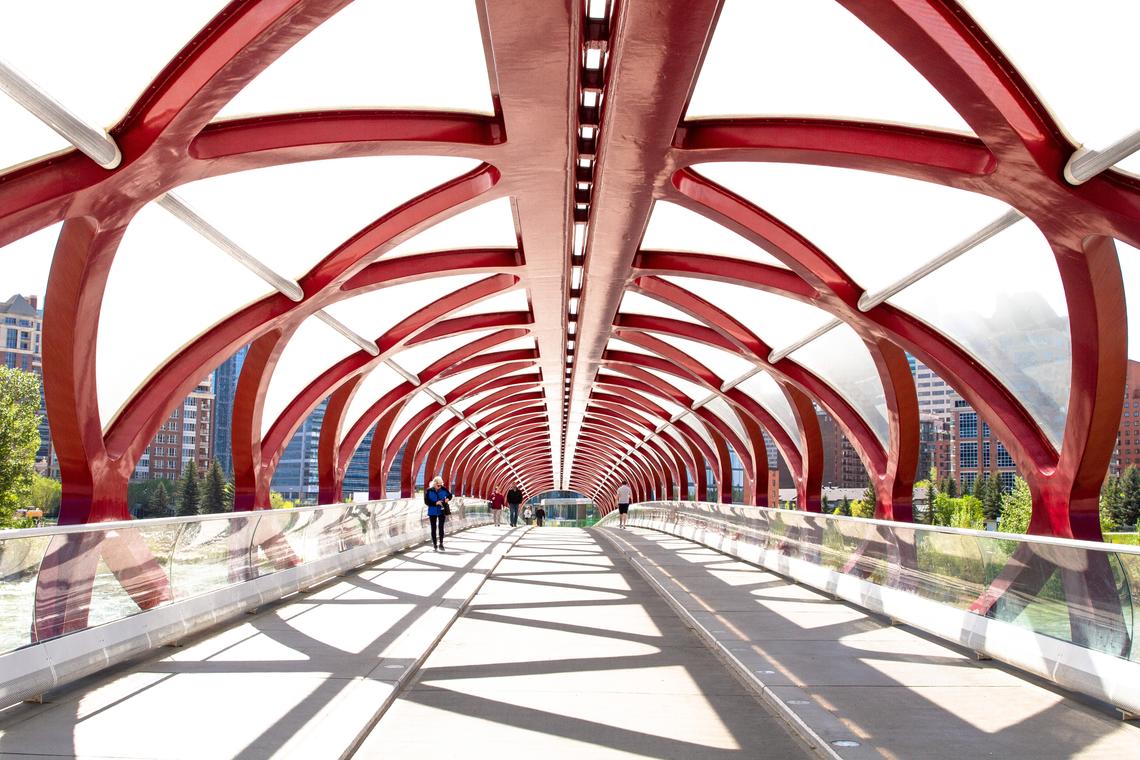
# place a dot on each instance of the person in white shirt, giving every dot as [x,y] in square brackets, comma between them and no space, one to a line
[624,497]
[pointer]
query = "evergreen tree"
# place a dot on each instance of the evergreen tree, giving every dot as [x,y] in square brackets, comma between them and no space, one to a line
[1016,509]
[19,439]
[1112,499]
[189,490]
[214,491]
[158,505]
[932,491]
[845,507]
[991,497]
[870,498]
[981,483]
[1130,495]
[825,505]
[951,488]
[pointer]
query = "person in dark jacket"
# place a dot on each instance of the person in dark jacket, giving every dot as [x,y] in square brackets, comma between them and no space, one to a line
[514,501]
[437,498]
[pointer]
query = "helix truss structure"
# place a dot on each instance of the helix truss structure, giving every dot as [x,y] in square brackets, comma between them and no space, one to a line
[615,247]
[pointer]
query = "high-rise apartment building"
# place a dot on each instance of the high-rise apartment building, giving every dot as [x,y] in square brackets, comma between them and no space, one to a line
[935,396]
[225,386]
[978,451]
[1127,451]
[296,477]
[187,433]
[842,467]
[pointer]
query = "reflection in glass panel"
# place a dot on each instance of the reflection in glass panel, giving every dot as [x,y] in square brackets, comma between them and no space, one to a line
[162,271]
[488,225]
[379,54]
[312,350]
[675,228]
[877,227]
[776,320]
[805,41]
[1083,85]
[211,554]
[1003,302]
[768,394]
[840,358]
[269,211]
[20,560]
[370,390]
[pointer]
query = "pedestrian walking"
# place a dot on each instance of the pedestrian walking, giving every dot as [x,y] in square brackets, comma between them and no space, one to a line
[437,499]
[514,500]
[624,497]
[497,507]
[539,515]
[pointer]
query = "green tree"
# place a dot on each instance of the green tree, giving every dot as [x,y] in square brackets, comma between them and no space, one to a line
[1130,495]
[980,484]
[46,494]
[933,489]
[277,501]
[19,438]
[870,498]
[951,487]
[844,507]
[991,497]
[862,508]
[825,504]
[1016,508]
[1112,499]
[158,505]
[189,490]
[1107,521]
[214,492]
[968,513]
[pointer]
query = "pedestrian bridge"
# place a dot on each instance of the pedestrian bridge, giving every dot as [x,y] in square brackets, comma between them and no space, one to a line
[702,630]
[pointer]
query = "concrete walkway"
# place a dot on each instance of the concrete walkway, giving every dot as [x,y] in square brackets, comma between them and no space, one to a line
[561,643]
[852,677]
[304,679]
[567,653]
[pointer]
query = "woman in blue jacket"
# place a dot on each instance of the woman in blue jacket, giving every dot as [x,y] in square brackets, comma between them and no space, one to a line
[436,498]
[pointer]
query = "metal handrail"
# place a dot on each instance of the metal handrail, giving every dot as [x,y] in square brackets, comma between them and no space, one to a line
[1072,543]
[60,530]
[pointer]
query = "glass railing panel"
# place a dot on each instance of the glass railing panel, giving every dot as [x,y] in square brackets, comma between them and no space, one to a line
[55,581]
[281,540]
[1070,590]
[211,554]
[19,564]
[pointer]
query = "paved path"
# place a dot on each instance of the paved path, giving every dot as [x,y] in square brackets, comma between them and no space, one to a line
[557,643]
[566,652]
[853,676]
[303,679]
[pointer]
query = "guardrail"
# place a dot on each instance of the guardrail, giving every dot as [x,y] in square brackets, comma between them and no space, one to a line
[76,599]
[1061,609]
